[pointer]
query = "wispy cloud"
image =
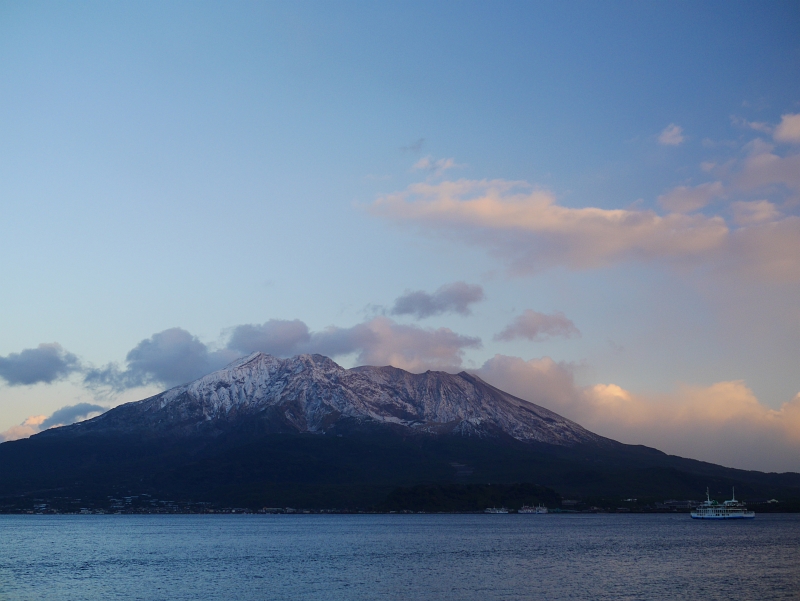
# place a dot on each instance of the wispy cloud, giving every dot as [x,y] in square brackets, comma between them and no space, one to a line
[671,135]
[435,166]
[538,326]
[415,146]
[456,298]
[759,126]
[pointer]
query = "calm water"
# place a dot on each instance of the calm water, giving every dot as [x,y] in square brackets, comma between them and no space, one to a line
[430,557]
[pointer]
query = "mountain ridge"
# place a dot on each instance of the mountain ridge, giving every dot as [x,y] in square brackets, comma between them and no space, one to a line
[305,431]
[311,393]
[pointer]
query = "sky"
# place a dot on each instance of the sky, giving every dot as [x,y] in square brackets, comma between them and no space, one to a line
[593,206]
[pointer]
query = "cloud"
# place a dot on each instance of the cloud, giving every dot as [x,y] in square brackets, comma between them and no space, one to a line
[175,356]
[672,135]
[763,168]
[685,199]
[455,297]
[528,229]
[752,212]
[538,326]
[724,423]
[71,414]
[378,341]
[381,341]
[27,428]
[278,337]
[415,146]
[171,357]
[43,364]
[788,130]
[437,167]
[759,126]
[62,417]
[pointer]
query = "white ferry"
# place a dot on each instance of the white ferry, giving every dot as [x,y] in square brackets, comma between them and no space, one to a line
[495,510]
[729,510]
[538,509]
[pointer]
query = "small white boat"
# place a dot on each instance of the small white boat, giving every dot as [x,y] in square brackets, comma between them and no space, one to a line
[540,509]
[729,510]
[495,510]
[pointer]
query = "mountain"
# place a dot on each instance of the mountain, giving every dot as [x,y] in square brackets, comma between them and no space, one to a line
[306,432]
[312,394]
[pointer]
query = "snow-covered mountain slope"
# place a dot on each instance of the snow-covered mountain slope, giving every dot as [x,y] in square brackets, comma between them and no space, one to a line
[311,393]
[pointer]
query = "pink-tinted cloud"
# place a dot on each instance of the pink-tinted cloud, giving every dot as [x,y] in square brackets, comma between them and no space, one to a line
[763,167]
[788,130]
[534,232]
[671,135]
[755,211]
[27,428]
[528,229]
[686,199]
[62,417]
[538,326]
[724,423]
[381,341]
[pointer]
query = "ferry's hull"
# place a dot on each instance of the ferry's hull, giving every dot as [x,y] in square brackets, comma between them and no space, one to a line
[743,516]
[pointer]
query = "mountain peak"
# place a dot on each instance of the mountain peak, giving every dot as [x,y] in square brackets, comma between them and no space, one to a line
[312,393]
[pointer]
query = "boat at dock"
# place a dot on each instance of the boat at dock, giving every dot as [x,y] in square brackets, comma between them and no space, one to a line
[729,510]
[495,510]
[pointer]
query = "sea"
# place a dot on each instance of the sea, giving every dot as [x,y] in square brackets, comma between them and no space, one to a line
[402,557]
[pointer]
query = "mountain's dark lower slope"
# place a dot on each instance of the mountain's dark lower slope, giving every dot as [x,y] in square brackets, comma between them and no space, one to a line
[305,432]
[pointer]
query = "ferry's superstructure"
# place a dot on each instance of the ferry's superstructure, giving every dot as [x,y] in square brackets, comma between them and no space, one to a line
[729,510]
[538,509]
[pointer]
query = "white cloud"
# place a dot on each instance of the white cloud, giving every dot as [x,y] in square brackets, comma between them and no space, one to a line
[788,130]
[671,135]
[685,199]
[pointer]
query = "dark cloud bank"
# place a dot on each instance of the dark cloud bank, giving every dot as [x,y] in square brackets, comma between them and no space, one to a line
[44,364]
[175,356]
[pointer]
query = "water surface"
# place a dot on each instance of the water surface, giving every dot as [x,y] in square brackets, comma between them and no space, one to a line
[370,557]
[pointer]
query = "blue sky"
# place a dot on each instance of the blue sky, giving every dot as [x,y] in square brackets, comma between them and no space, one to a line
[227,169]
